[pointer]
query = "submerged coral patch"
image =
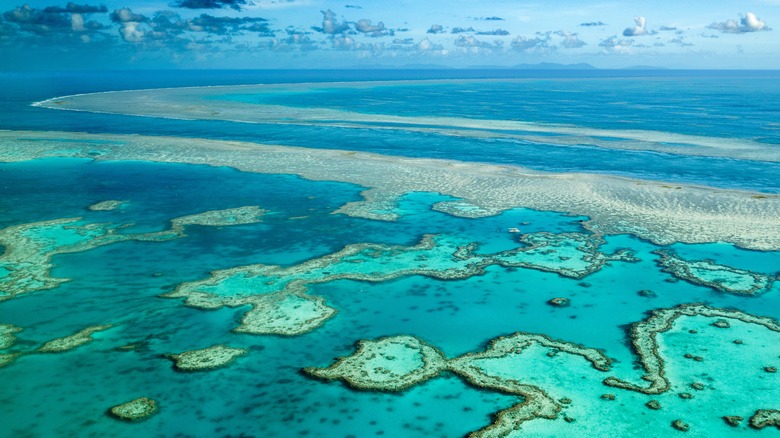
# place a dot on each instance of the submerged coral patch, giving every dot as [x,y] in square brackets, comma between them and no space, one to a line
[722,278]
[7,337]
[396,363]
[210,358]
[27,260]
[107,205]
[135,410]
[68,343]
[574,255]
[388,364]
[765,418]
[8,358]
[284,314]
[399,362]
[279,300]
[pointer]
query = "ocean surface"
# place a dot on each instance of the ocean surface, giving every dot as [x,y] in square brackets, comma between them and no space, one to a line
[266,393]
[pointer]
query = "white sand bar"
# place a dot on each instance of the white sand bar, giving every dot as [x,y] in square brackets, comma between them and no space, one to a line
[207,103]
[655,211]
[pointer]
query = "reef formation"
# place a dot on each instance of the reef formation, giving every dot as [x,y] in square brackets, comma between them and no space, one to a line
[281,305]
[206,359]
[649,210]
[135,410]
[722,278]
[27,260]
[400,362]
[9,353]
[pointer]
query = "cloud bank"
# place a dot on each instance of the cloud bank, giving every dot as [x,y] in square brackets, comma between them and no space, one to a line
[211,4]
[747,23]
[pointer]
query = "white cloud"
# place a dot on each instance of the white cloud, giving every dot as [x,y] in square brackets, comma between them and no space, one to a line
[77,22]
[436,28]
[747,23]
[570,40]
[473,45]
[639,29]
[131,32]
[614,45]
[540,43]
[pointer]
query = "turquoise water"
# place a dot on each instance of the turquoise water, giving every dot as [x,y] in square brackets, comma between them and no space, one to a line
[264,393]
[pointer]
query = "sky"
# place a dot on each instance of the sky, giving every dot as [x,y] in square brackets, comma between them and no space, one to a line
[145,34]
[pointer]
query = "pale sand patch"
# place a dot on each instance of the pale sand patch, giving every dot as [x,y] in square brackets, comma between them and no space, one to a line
[68,343]
[109,205]
[661,213]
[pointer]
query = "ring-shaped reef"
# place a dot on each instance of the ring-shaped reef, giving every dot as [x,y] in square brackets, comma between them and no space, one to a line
[400,362]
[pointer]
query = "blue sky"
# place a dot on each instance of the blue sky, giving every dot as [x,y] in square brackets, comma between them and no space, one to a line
[45,34]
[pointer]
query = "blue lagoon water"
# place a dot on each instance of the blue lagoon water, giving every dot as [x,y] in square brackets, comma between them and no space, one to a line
[266,392]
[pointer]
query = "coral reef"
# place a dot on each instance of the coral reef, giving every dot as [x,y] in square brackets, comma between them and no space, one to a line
[719,277]
[614,205]
[387,364]
[135,410]
[643,338]
[279,300]
[399,362]
[68,343]
[559,302]
[765,418]
[107,205]
[7,337]
[206,359]
[29,248]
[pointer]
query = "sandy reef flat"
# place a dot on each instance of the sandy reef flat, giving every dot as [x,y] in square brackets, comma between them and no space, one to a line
[220,103]
[658,212]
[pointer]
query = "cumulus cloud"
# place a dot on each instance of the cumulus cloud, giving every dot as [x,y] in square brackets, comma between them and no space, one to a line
[457,30]
[76,9]
[229,25]
[436,28]
[353,7]
[331,25]
[296,41]
[403,41]
[667,28]
[126,15]
[474,45]
[65,22]
[131,25]
[167,23]
[570,40]
[593,23]
[364,26]
[639,28]
[680,41]
[426,46]
[489,18]
[497,32]
[747,23]
[346,42]
[37,21]
[211,4]
[616,45]
[541,42]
